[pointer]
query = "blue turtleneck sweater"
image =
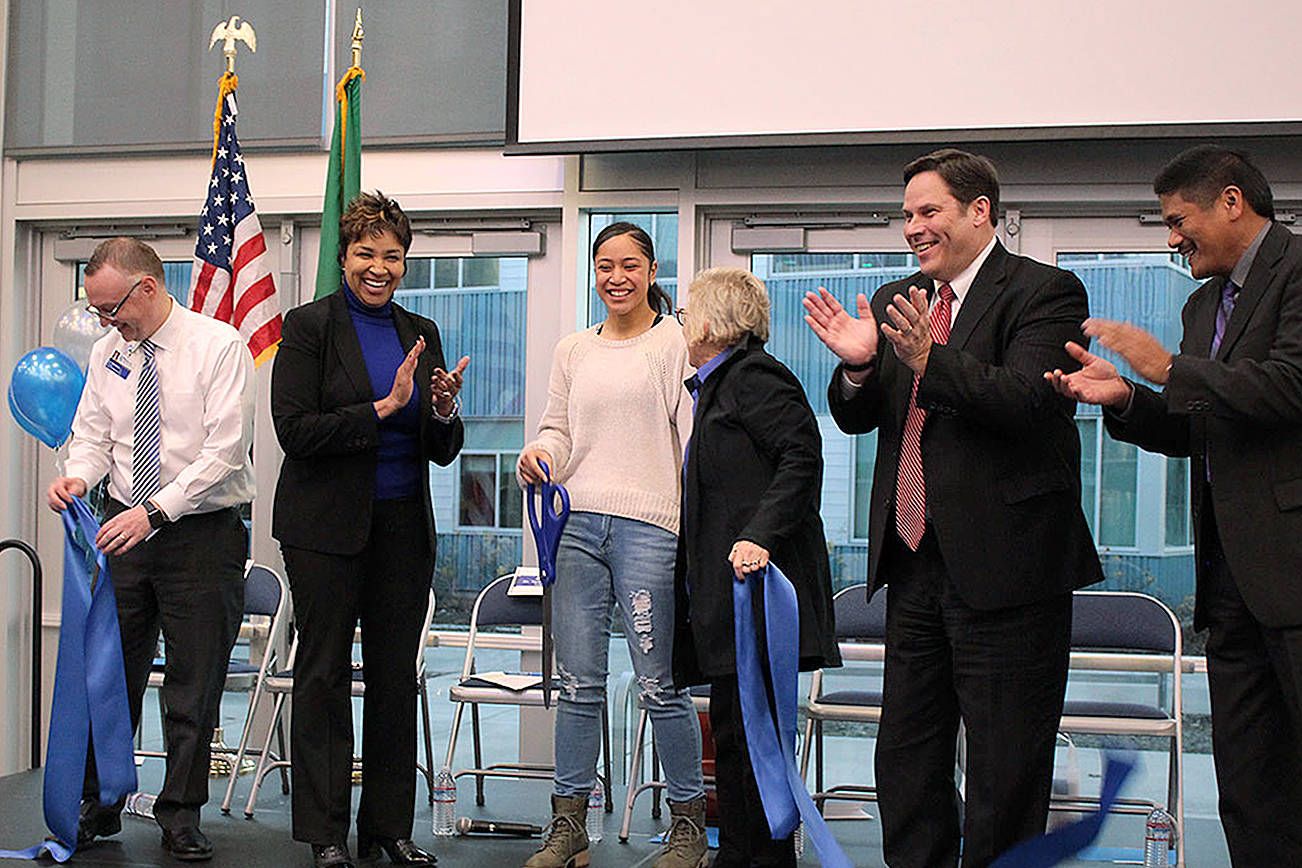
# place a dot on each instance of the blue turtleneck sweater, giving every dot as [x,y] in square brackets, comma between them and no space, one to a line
[397,467]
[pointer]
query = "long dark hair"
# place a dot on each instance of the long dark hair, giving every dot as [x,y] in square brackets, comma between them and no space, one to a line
[656,297]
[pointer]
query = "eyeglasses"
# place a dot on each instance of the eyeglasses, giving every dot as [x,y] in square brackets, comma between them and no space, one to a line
[680,314]
[112,312]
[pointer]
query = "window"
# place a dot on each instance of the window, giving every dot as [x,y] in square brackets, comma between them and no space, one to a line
[663,229]
[478,304]
[847,461]
[490,497]
[1089,429]
[1149,290]
[865,460]
[1118,485]
[1177,504]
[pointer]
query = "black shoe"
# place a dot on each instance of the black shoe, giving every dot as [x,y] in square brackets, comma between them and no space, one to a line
[97,821]
[187,844]
[331,856]
[401,851]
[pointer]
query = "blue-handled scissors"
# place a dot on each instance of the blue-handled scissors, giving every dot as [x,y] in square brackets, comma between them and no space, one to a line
[547,524]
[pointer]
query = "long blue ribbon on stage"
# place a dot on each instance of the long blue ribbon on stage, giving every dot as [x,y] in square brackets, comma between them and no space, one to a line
[773,748]
[1054,847]
[90,692]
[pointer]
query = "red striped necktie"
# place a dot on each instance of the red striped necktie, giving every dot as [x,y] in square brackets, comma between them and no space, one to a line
[910,485]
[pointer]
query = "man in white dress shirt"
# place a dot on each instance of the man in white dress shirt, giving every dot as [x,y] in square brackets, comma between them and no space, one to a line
[167,415]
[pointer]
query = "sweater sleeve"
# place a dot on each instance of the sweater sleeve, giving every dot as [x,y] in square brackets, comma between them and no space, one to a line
[554,428]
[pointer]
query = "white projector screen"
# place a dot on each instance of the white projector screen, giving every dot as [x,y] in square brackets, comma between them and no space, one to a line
[609,74]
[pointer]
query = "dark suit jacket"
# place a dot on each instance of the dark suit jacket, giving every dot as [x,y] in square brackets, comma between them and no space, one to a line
[321,399]
[754,471]
[999,448]
[1242,412]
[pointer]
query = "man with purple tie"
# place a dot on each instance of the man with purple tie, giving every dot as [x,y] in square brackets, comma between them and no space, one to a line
[1231,401]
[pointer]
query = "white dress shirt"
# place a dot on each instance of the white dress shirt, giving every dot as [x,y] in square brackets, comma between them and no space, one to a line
[205,385]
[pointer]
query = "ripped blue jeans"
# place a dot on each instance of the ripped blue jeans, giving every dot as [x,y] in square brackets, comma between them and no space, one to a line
[603,560]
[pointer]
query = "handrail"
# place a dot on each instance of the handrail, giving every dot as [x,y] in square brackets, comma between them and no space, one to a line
[37,588]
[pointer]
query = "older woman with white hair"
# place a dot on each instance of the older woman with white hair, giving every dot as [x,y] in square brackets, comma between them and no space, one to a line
[751,490]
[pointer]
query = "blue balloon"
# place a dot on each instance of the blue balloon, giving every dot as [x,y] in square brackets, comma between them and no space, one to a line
[43,394]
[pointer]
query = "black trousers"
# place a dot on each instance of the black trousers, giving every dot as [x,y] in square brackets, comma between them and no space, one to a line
[188,581]
[1004,673]
[386,587]
[1254,673]
[744,838]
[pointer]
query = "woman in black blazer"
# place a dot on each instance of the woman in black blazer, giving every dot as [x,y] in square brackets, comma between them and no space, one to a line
[751,494]
[361,403]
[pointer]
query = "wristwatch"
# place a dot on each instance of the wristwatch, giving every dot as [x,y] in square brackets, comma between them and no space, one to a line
[157,518]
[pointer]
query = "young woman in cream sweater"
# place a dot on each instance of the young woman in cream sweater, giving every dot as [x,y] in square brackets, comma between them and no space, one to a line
[616,422]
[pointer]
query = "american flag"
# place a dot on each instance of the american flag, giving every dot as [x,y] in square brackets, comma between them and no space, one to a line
[231,280]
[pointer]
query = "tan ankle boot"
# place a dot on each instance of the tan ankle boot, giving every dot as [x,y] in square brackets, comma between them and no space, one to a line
[685,845]
[566,841]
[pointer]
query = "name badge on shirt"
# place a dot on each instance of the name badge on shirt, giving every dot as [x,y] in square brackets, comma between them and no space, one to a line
[115,365]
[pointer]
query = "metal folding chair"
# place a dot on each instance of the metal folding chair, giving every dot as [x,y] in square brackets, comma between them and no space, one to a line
[266,596]
[281,685]
[861,634]
[495,608]
[1122,631]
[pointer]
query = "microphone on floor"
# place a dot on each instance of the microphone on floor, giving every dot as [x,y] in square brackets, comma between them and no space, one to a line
[467,826]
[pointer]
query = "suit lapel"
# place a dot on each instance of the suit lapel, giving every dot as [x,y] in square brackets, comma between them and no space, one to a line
[1203,325]
[1259,277]
[985,288]
[347,346]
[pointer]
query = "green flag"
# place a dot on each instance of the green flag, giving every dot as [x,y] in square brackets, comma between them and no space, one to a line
[343,176]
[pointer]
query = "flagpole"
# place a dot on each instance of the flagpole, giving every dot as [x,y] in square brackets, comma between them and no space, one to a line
[228,33]
[231,279]
[343,169]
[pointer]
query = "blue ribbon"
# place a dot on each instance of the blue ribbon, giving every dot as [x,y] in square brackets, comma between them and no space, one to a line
[1055,847]
[547,527]
[90,692]
[773,747]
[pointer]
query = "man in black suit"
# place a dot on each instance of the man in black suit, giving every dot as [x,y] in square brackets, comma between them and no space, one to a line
[1232,402]
[975,521]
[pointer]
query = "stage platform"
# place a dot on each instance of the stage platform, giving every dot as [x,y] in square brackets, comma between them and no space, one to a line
[265,840]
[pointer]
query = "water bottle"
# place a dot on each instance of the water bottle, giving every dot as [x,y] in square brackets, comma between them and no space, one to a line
[596,811]
[798,839]
[140,805]
[1159,835]
[445,803]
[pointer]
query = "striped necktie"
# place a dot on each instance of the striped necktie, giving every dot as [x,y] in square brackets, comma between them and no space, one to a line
[146,466]
[910,486]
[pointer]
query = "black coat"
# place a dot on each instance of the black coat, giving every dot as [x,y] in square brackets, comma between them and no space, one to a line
[321,404]
[999,447]
[1242,412]
[754,472]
